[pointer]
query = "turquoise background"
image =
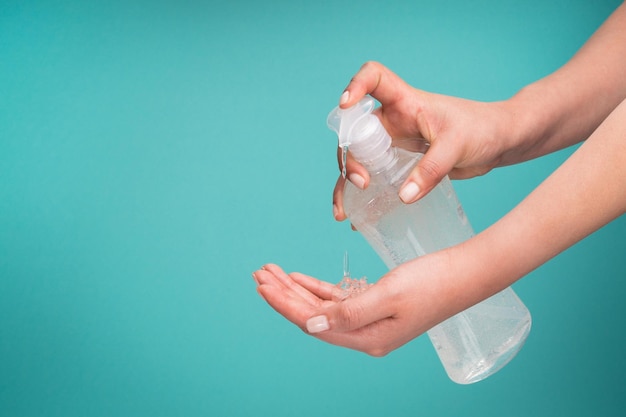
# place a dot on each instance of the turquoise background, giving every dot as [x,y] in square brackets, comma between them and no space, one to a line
[153,154]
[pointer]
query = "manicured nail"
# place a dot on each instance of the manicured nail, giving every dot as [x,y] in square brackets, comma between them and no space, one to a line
[344,97]
[317,324]
[409,192]
[357,180]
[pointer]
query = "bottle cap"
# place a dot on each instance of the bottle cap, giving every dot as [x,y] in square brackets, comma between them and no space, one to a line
[361,131]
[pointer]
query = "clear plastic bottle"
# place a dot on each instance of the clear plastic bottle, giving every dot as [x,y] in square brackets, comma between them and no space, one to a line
[475,343]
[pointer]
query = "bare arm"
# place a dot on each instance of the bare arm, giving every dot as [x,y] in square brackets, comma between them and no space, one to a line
[568,105]
[585,193]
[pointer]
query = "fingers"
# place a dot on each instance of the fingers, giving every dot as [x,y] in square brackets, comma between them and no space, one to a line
[355,172]
[430,170]
[321,289]
[376,80]
[287,293]
[338,212]
[353,313]
[364,323]
[294,309]
[286,296]
[381,83]
[371,339]
[274,276]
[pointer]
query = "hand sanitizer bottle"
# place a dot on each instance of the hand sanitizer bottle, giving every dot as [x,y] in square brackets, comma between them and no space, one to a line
[475,343]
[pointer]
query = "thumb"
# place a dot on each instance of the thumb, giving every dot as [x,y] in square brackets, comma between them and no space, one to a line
[430,170]
[351,314]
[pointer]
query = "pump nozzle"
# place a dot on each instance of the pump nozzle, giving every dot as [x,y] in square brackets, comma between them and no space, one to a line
[343,120]
[362,131]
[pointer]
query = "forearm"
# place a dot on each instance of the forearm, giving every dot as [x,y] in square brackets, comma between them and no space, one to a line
[565,107]
[585,193]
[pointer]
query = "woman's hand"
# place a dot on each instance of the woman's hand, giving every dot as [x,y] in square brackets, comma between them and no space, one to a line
[402,305]
[466,138]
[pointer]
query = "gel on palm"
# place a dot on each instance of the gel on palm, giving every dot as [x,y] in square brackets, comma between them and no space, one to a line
[475,343]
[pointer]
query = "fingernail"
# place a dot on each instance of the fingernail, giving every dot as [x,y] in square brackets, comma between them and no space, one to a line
[409,192]
[344,97]
[357,180]
[317,324]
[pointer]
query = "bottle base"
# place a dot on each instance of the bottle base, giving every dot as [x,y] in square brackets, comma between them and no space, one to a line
[493,362]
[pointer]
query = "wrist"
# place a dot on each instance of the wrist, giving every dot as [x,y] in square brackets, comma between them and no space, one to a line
[525,127]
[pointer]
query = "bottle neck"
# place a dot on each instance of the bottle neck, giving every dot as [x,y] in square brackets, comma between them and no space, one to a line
[383,162]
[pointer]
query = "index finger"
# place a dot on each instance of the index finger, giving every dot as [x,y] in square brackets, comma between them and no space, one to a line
[375,79]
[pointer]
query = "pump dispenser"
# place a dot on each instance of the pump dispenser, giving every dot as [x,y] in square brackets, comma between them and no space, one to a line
[475,343]
[362,132]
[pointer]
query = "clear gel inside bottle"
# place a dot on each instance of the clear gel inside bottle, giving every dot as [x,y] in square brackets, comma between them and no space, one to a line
[476,342]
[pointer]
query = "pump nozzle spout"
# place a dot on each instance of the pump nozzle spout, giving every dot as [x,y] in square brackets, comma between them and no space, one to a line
[343,120]
[362,131]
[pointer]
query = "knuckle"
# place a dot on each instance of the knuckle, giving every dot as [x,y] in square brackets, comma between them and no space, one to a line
[430,169]
[349,315]
[371,65]
[367,70]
